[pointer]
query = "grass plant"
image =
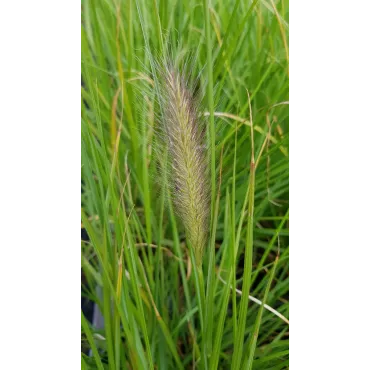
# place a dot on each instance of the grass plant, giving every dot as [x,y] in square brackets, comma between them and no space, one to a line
[185,184]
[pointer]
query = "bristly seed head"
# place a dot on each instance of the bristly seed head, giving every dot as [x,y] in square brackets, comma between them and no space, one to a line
[183,131]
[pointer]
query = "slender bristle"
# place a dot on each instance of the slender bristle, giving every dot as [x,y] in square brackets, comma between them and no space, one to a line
[184,134]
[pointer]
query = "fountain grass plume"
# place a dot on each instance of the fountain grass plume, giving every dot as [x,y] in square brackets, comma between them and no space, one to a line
[183,133]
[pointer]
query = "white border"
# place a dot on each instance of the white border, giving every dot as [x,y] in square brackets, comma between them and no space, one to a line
[329,185]
[40,185]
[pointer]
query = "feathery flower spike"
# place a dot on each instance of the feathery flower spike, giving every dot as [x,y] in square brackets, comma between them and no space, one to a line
[184,133]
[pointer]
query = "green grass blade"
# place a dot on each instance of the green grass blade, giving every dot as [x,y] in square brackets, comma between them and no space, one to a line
[90,338]
[248,362]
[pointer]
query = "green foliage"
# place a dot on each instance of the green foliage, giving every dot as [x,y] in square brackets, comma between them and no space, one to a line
[160,310]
